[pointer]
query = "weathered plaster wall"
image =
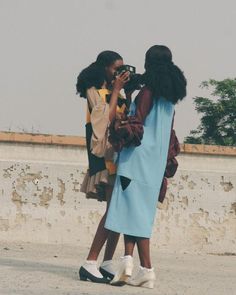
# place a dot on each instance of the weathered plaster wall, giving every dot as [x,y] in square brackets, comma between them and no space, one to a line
[40,199]
[199,213]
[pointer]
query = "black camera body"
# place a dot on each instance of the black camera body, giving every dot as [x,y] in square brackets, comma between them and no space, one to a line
[125,68]
[135,82]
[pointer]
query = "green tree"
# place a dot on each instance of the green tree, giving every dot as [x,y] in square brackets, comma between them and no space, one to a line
[218,120]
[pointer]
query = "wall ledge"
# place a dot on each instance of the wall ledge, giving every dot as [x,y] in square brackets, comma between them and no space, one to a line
[208,149]
[70,140]
[36,138]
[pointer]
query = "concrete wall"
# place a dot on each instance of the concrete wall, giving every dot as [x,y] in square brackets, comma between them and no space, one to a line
[40,177]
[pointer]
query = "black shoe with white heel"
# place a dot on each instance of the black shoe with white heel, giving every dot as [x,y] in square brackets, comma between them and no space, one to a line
[106,273]
[87,276]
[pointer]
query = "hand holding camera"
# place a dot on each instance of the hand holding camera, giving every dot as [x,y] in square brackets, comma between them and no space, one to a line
[120,80]
[134,82]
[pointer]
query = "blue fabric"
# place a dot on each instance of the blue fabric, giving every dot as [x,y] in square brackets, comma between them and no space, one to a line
[132,211]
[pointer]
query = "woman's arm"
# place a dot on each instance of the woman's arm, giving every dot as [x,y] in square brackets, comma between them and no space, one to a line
[144,103]
[102,113]
[118,84]
[99,118]
[130,132]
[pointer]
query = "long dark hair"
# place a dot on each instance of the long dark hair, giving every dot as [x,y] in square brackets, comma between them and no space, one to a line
[162,76]
[95,74]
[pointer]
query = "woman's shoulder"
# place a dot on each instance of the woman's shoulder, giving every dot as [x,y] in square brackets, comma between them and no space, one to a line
[144,94]
[98,95]
[145,91]
[101,91]
[91,90]
[93,95]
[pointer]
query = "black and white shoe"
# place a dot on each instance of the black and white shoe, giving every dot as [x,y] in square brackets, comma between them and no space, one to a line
[87,276]
[106,274]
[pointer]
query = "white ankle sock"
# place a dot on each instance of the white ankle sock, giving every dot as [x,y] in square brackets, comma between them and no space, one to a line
[127,257]
[108,266]
[91,266]
[145,268]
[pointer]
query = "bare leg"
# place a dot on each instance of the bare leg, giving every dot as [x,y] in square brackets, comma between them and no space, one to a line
[113,237]
[129,244]
[99,240]
[144,252]
[102,235]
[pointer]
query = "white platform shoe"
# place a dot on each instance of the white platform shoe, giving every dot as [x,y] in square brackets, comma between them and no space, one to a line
[124,271]
[144,278]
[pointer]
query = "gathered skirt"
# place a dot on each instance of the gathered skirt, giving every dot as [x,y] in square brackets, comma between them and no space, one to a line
[94,186]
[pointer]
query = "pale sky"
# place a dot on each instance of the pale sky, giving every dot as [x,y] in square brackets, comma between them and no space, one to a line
[46,43]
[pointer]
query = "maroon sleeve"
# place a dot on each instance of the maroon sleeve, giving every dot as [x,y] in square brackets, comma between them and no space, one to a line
[128,131]
[163,190]
[174,150]
[171,164]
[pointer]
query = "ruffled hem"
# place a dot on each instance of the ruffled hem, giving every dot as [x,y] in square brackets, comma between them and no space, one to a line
[94,186]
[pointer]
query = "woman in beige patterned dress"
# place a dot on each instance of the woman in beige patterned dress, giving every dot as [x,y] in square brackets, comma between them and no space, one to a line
[96,83]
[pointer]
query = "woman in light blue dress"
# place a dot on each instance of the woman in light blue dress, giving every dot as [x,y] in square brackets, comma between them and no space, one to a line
[143,142]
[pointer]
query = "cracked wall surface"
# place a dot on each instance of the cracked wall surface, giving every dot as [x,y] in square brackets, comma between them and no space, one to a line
[41,202]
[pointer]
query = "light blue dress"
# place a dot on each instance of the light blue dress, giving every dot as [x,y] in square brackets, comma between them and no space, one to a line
[133,210]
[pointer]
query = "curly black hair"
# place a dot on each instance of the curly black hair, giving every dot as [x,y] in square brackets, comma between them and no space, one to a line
[95,74]
[162,76]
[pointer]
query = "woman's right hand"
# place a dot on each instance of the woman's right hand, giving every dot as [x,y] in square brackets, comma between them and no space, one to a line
[120,81]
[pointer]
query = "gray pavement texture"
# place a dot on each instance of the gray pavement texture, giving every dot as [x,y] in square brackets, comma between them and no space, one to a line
[39,269]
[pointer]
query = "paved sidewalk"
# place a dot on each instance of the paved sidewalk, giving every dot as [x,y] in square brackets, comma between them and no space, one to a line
[35,269]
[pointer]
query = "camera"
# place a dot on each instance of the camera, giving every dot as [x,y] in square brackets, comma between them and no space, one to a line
[135,82]
[125,68]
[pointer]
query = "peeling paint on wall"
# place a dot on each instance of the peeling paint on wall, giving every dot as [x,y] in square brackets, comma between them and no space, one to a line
[227,185]
[61,193]
[41,201]
[46,196]
[233,207]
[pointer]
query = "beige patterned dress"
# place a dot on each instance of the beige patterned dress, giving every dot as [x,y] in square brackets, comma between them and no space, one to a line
[102,170]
